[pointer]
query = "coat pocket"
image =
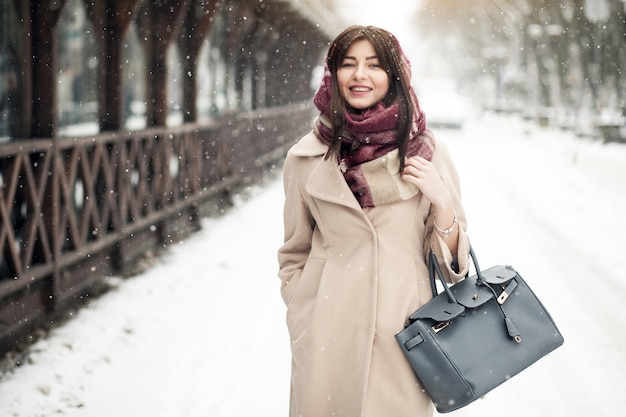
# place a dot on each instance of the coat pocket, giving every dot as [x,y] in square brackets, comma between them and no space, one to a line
[303,298]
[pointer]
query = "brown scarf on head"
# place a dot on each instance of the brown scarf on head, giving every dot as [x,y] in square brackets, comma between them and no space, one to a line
[369,149]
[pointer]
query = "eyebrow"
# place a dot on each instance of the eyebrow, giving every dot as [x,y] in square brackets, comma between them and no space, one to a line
[366,58]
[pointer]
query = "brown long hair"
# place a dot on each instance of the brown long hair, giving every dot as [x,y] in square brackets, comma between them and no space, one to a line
[391,60]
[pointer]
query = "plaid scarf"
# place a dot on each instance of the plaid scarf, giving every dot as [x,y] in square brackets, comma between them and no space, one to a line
[369,150]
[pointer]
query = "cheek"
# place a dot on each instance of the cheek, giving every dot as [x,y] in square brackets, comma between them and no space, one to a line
[342,79]
[382,85]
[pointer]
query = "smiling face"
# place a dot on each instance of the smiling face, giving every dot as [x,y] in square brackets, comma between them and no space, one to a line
[361,80]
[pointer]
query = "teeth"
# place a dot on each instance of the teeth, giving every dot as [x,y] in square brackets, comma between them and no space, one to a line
[360,89]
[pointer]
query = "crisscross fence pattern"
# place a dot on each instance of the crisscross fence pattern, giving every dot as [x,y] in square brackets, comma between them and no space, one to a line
[74,210]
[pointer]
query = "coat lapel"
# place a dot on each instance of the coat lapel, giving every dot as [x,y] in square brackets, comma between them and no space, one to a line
[325,182]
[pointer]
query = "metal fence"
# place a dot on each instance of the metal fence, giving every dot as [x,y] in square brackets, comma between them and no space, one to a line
[75,210]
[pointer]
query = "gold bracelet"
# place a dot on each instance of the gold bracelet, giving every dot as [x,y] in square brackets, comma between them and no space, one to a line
[446,232]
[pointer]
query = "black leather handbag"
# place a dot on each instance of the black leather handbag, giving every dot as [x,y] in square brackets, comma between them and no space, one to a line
[476,334]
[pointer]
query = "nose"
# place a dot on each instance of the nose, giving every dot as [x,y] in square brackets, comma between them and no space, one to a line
[359,72]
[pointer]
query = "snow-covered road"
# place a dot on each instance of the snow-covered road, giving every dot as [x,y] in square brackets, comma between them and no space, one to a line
[202,333]
[552,206]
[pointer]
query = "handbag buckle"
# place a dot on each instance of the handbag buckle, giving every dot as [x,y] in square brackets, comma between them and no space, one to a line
[502,298]
[506,291]
[440,326]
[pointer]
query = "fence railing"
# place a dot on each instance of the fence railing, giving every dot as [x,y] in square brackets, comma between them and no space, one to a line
[74,210]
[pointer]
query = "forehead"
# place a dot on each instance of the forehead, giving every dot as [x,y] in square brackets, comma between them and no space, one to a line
[361,48]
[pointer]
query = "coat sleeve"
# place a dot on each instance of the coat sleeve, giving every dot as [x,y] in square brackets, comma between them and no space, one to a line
[454,267]
[298,228]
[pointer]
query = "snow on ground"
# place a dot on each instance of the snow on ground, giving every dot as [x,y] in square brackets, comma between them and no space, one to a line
[202,333]
[199,334]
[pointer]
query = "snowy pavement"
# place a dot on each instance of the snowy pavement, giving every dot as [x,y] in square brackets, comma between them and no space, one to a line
[202,333]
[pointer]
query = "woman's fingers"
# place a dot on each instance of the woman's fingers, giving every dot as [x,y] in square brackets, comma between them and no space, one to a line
[423,174]
[417,167]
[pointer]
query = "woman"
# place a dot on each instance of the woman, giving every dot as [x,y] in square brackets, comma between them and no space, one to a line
[368,194]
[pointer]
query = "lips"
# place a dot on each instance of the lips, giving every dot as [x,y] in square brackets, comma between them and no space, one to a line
[360,89]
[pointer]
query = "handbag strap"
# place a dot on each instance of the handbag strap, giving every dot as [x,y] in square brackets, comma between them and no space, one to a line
[435,270]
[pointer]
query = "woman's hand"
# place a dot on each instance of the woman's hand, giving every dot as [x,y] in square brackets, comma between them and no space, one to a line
[423,174]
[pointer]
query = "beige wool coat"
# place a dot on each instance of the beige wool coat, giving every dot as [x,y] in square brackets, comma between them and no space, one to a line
[350,278]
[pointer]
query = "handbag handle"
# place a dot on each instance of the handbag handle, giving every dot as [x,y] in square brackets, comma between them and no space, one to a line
[433,268]
[480,280]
